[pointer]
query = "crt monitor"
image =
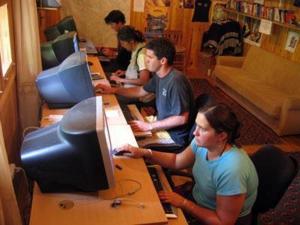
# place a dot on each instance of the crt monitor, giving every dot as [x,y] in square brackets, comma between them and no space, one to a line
[65,25]
[54,52]
[66,84]
[73,154]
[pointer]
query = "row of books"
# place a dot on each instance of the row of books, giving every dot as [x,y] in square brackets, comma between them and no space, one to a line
[258,10]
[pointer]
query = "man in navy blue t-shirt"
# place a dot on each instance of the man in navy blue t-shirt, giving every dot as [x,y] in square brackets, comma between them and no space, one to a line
[173,92]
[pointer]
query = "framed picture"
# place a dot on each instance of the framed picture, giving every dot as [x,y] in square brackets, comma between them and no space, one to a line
[292,41]
[252,35]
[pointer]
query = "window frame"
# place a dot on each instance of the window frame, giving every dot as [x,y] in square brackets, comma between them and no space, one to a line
[10,73]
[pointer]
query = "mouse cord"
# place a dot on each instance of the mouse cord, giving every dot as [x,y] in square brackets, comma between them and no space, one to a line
[129,193]
[28,129]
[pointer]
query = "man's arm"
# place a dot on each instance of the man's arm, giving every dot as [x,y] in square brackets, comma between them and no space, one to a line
[170,122]
[132,92]
[165,124]
[144,76]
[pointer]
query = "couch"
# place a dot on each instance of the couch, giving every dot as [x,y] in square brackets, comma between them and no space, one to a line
[266,84]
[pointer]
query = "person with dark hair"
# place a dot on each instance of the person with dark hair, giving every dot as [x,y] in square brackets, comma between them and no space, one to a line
[136,73]
[115,17]
[121,57]
[226,181]
[173,93]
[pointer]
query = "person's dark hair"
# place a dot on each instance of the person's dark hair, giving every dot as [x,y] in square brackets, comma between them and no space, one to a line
[129,33]
[222,119]
[162,47]
[115,16]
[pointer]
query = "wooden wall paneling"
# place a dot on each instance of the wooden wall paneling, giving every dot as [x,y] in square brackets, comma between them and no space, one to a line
[187,33]
[137,19]
[196,39]
[47,17]
[9,120]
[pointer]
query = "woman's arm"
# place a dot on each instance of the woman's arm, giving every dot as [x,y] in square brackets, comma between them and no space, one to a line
[144,77]
[182,160]
[227,212]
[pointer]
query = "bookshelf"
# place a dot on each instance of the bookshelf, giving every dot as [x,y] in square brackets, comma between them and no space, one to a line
[286,25]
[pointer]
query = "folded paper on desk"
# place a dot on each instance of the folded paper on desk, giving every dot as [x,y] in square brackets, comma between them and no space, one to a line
[112,113]
[53,118]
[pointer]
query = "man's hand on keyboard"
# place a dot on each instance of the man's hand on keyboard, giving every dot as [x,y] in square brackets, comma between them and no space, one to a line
[138,125]
[116,78]
[105,89]
[172,198]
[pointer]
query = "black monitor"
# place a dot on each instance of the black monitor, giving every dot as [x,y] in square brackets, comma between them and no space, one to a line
[73,154]
[56,51]
[66,84]
[65,25]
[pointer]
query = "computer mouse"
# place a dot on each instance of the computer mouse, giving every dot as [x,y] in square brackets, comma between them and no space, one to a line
[90,63]
[121,152]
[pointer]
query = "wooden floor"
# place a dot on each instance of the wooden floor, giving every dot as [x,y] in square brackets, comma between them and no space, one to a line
[290,143]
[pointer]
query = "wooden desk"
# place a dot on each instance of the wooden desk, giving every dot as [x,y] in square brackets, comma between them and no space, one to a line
[142,207]
[95,208]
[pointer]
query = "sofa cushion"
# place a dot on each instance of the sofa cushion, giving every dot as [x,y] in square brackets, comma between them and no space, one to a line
[286,76]
[266,98]
[273,70]
[258,64]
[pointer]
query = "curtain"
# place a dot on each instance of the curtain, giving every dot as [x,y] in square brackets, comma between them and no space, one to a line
[28,60]
[9,213]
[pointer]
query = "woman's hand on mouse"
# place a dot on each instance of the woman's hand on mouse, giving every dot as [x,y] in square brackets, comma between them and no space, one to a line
[135,152]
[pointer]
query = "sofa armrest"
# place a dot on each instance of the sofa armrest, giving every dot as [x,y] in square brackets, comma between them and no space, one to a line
[292,103]
[289,123]
[233,61]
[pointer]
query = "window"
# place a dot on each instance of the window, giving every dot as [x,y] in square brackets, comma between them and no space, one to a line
[5,45]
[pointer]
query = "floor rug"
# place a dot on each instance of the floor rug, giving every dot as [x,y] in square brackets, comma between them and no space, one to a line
[253,131]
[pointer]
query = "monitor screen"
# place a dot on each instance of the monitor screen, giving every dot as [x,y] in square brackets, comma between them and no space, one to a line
[65,25]
[73,154]
[66,84]
[56,51]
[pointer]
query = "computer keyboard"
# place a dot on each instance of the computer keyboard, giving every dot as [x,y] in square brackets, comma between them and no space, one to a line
[127,114]
[131,112]
[169,210]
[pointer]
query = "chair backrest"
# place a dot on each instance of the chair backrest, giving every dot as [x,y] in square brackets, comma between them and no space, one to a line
[201,101]
[275,171]
[175,36]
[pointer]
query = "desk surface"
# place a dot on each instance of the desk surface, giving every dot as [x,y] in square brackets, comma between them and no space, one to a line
[95,208]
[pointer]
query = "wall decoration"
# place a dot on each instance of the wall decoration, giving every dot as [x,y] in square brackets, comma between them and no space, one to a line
[201,12]
[292,41]
[251,31]
[156,19]
[138,5]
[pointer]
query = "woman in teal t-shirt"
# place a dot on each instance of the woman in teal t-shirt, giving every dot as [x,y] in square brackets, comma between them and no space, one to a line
[225,178]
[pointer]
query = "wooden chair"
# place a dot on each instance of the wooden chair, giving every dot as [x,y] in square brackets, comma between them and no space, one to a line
[175,36]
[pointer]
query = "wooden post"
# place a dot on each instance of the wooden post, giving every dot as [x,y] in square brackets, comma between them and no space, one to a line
[9,212]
